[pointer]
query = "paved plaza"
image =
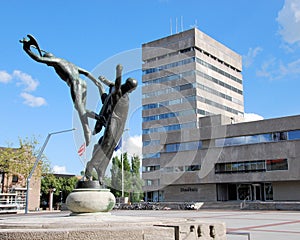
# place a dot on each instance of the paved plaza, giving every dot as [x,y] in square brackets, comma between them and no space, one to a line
[262,225]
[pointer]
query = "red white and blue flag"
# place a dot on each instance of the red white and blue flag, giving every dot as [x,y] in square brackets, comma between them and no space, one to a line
[81,150]
[119,145]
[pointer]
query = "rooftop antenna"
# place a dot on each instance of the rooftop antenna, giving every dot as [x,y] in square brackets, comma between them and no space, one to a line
[176,26]
[195,25]
[171,26]
[181,20]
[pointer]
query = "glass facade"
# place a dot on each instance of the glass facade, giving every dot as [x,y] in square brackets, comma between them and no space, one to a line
[186,146]
[150,168]
[173,127]
[251,166]
[260,138]
[169,102]
[172,169]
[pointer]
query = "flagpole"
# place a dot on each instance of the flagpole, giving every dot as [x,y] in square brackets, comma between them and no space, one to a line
[82,151]
[122,162]
[84,161]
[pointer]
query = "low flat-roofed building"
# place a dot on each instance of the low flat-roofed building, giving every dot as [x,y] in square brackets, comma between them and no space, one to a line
[221,161]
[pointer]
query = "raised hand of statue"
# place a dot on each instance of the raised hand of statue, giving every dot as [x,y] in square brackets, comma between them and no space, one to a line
[70,73]
[31,41]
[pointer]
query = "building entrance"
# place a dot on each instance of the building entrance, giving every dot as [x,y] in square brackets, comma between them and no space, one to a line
[242,191]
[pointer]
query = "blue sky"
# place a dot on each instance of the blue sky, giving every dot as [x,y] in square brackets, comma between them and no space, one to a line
[95,35]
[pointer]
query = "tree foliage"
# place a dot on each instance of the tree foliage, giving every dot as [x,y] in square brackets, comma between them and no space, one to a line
[21,160]
[132,178]
[62,185]
[137,182]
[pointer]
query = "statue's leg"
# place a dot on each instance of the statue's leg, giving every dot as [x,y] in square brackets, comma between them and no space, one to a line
[78,93]
[90,164]
[112,135]
[88,170]
[86,129]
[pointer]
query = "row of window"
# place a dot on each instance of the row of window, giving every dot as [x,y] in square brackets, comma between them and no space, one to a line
[171,169]
[170,128]
[169,115]
[151,168]
[152,182]
[169,90]
[218,70]
[151,143]
[172,77]
[186,146]
[219,82]
[219,94]
[203,112]
[225,142]
[190,85]
[169,54]
[259,138]
[189,50]
[169,65]
[151,155]
[187,61]
[251,166]
[229,167]
[218,105]
[186,112]
[182,100]
[217,59]
[169,102]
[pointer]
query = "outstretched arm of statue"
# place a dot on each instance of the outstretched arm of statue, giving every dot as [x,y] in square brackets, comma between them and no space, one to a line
[116,94]
[119,69]
[31,42]
[106,81]
[94,80]
[26,47]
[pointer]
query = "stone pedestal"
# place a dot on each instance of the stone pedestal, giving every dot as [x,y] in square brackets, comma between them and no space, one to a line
[107,227]
[88,197]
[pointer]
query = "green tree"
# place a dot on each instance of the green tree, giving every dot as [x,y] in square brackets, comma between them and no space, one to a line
[19,161]
[136,181]
[63,187]
[116,176]
[132,179]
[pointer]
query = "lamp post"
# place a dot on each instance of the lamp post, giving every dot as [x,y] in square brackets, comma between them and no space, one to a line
[51,191]
[37,161]
[122,162]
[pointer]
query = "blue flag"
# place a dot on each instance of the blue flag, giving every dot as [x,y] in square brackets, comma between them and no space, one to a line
[119,145]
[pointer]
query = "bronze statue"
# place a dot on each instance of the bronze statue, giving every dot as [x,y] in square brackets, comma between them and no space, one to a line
[113,113]
[69,73]
[113,116]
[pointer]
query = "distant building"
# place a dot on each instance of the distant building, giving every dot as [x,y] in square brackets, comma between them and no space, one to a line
[254,160]
[14,186]
[195,144]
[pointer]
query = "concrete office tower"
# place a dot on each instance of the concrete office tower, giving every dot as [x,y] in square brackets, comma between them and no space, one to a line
[185,76]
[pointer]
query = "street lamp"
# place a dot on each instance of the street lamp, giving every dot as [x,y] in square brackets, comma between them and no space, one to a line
[122,162]
[37,161]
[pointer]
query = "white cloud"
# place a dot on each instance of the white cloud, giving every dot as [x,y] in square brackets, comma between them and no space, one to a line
[59,169]
[33,101]
[289,21]
[25,79]
[5,77]
[267,68]
[274,69]
[249,58]
[250,117]
[29,84]
[133,145]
